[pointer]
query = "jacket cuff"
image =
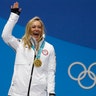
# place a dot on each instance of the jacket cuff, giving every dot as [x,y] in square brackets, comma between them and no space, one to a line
[52,94]
[16,10]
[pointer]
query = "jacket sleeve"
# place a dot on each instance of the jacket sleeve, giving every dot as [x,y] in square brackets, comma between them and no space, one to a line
[7,31]
[51,73]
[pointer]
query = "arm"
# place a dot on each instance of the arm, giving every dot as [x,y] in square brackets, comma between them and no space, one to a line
[51,73]
[7,31]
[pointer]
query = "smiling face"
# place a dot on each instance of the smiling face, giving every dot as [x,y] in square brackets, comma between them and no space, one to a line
[36,30]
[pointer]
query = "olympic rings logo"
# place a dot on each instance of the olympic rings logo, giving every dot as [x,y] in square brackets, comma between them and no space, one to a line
[83,74]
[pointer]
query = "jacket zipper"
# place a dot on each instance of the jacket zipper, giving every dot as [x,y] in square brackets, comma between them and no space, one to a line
[28,93]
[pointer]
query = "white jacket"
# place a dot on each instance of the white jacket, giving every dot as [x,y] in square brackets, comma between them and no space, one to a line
[43,78]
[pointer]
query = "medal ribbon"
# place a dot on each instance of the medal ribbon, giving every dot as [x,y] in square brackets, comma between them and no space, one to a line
[40,50]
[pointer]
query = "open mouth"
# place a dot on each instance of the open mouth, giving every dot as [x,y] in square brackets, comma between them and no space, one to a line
[36,33]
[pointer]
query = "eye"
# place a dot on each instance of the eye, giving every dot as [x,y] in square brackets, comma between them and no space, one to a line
[39,27]
[33,26]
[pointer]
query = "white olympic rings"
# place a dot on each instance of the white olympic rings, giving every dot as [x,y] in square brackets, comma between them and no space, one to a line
[82,75]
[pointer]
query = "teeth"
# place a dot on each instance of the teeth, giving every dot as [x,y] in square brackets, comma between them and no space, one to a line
[36,33]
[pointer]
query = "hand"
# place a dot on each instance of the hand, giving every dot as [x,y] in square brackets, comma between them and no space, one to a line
[15,5]
[15,8]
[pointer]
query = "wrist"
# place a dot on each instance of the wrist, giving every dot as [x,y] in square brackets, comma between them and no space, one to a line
[52,94]
[16,10]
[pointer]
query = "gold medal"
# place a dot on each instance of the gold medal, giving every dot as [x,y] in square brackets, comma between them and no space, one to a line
[37,62]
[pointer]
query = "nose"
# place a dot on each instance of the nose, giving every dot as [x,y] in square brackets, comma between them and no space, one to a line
[36,28]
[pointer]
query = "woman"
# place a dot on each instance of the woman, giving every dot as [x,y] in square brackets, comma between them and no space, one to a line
[35,63]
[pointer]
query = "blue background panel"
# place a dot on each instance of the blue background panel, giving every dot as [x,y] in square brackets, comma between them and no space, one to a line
[70,20]
[70,27]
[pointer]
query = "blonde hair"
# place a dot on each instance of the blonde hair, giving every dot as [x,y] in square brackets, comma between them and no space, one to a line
[26,37]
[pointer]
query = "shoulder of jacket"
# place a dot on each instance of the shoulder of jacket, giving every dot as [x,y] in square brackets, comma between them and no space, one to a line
[19,40]
[48,44]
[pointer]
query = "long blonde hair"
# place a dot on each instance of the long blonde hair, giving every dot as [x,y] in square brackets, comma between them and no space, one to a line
[26,37]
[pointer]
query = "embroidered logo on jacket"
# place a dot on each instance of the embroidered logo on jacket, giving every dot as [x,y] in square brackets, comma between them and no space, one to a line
[45,52]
